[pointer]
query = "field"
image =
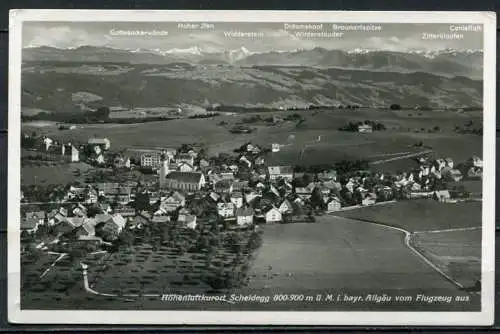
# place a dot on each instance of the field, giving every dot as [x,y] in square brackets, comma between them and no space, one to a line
[333,255]
[421,215]
[40,173]
[458,253]
[300,142]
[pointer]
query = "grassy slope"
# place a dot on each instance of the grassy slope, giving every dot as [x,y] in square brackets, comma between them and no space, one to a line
[458,253]
[335,254]
[421,215]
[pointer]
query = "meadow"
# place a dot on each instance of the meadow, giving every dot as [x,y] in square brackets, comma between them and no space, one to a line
[421,215]
[458,253]
[40,173]
[300,141]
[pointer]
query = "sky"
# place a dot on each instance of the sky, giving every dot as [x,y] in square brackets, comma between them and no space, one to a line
[270,36]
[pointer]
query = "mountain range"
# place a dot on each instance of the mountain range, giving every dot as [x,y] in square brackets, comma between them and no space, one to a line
[447,62]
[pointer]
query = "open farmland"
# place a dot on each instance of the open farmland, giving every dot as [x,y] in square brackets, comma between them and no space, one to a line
[458,253]
[341,255]
[421,215]
[40,172]
[300,142]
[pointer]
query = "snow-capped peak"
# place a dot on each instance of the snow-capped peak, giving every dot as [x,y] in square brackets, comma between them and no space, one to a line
[195,50]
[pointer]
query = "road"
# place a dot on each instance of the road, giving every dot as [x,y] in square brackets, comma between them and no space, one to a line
[406,156]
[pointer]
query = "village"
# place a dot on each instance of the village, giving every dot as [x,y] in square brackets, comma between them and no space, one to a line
[238,191]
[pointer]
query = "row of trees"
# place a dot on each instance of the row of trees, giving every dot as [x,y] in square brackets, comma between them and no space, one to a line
[354,126]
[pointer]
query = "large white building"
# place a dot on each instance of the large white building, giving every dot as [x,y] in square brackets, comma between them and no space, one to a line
[151,160]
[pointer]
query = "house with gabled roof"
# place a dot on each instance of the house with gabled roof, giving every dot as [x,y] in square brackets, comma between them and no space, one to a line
[280,172]
[369,199]
[190,222]
[237,199]
[226,210]
[333,204]
[244,216]
[285,207]
[442,195]
[273,215]
[173,202]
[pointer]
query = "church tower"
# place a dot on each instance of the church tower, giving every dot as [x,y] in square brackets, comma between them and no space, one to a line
[164,170]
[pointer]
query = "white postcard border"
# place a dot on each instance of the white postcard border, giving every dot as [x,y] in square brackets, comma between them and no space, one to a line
[135,317]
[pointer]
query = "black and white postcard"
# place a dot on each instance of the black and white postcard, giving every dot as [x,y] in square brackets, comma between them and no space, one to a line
[251,167]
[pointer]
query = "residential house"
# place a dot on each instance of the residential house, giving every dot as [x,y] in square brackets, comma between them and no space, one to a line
[125,211]
[121,162]
[161,219]
[303,192]
[154,197]
[439,164]
[369,199]
[99,159]
[280,172]
[228,175]
[172,202]
[32,221]
[456,175]
[76,193]
[244,216]
[286,207]
[416,187]
[68,225]
[183,214]
[47,143]
[249,197]
[115,192]
[329,175]
[226,210]
[214,196]
[273,216]
[442,195]
[70,153]
[80,210]
[112,228]
[185,181]
[259,160]
[244,159]
[333,204]
[105,208]
[477,162]
[224,186]
[103,143]
[190,222]
[203,163]
[186,158]
[63,211]
[449,162]
[87,228]
[275,147]
[475,173]
[91,197]
[365,128]
[237,199]
[240,185]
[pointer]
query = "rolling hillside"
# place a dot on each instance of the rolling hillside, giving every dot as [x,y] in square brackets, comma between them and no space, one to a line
[72,86]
